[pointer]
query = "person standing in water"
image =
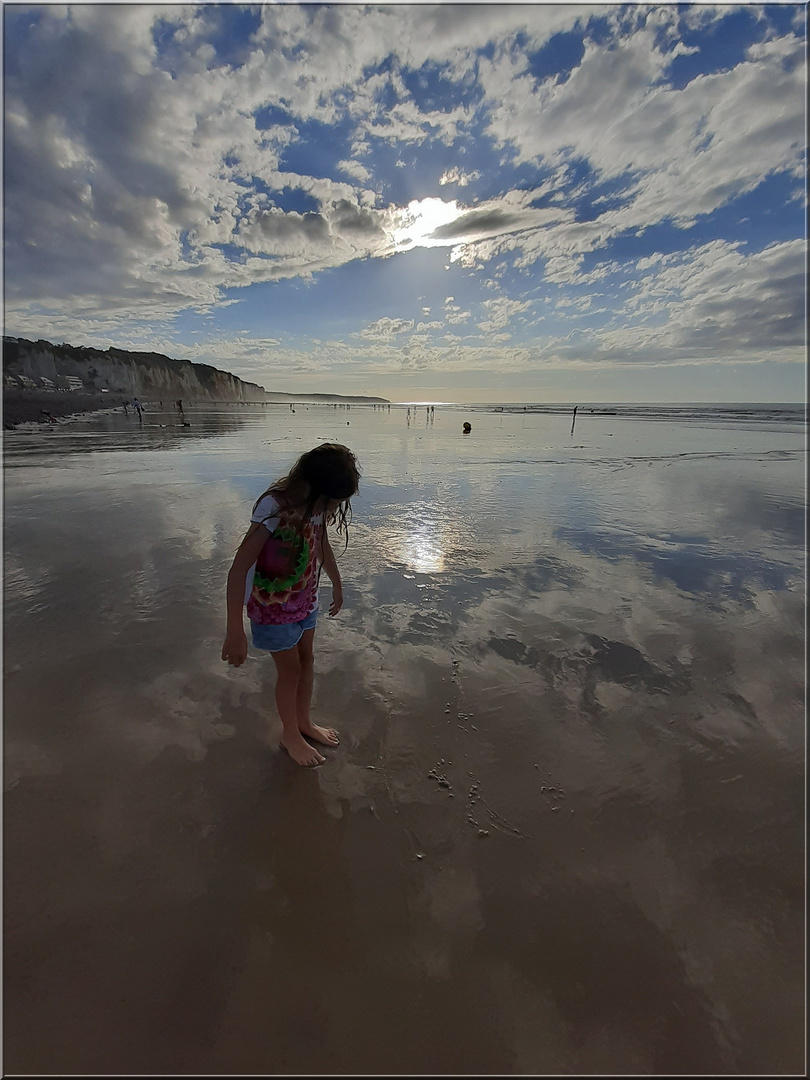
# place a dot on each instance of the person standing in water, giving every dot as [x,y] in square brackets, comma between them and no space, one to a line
[275,573]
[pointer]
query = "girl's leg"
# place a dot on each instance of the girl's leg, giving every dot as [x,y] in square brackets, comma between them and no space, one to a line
[288,668]
[306,658]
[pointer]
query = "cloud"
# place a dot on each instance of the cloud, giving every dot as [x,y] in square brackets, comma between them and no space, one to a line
[151,164]
[343,230]
[685,152]
[384,329]
[356,170]
[453,315]
[132,167]
[278,233]
[477,223]
[714,304]
[456,176]
[501,310]
[403,122]
[723,302]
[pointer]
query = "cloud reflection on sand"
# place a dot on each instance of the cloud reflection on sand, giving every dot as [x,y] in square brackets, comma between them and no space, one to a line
[603,664]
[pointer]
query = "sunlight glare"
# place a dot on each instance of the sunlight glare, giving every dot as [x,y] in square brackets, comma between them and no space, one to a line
[422,549]
[421,217]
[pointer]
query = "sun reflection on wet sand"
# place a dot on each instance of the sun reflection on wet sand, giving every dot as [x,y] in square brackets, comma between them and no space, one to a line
[421,548]
[568,681]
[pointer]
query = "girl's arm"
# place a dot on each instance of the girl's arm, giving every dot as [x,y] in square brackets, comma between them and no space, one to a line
[332,572]
[234,649]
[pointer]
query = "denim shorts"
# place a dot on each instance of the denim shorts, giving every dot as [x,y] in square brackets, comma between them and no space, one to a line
[285,636]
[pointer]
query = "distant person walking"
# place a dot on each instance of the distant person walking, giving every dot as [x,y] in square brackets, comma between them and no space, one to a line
[179,406]
[275,573]
[574,418]
[138,408]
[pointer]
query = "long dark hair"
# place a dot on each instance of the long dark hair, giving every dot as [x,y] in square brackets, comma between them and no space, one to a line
[329,471]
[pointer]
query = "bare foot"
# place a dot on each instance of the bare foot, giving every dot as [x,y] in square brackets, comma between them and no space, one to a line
[326,735]
[302,753]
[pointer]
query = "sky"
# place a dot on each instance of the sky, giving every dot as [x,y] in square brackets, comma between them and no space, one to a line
[482,202]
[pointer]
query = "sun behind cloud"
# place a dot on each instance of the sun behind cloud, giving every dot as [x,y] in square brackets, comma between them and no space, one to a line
[222,177]
[421,218]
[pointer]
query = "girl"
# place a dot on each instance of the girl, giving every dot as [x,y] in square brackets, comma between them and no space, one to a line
[278,561]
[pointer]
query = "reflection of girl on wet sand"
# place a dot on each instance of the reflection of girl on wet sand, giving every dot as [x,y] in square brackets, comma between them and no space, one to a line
[279,560]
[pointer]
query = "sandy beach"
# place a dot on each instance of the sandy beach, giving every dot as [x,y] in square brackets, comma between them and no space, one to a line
[32,407]
[564,832]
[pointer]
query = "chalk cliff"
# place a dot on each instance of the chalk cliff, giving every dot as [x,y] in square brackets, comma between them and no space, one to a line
[150,376]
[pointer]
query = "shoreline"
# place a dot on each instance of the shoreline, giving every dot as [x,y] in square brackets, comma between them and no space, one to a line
[23,410]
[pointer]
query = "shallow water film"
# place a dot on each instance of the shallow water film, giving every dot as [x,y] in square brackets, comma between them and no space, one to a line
[563,832]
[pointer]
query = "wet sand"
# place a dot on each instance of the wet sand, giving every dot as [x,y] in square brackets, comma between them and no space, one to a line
[564,830]
[31,407]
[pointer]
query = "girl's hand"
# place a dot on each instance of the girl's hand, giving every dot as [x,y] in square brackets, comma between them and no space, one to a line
[235,648]
[337,600]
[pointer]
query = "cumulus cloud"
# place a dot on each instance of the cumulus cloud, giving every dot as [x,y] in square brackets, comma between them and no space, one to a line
[453,314]
[133,167]
[722,302]
[355,169]
[456,176]
[384,329]
[713,304]
[151,164]
[500,311]
[684,151]
[342,230]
